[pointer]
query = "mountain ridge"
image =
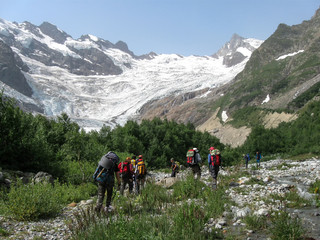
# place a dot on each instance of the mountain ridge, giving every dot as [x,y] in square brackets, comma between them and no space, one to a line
[81,77]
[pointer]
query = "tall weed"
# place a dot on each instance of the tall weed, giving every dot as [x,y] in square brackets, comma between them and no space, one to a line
[286,227]
[190,188]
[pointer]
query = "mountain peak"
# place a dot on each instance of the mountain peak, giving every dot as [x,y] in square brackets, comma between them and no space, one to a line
[52,31]
[235,51]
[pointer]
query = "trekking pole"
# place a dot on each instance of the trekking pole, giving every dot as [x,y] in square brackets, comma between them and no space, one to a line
[100,172]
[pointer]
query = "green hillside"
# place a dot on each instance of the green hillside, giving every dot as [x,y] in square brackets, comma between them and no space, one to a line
[266,73]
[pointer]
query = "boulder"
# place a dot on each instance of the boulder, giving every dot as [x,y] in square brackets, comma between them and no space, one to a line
[43,177]
[167,182]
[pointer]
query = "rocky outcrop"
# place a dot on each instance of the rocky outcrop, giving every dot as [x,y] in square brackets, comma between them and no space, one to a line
[10,72]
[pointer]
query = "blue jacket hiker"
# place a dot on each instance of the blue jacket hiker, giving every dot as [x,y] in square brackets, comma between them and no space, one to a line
[247,159]
[258,158]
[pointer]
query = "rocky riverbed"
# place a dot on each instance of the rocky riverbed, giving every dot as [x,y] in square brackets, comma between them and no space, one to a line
[253,192]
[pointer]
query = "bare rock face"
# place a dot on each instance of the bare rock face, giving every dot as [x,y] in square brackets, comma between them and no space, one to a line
[10,73]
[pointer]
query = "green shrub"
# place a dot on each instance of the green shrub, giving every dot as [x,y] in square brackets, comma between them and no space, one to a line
[315,188]
[190,188]
[77,172]
[74,193]
[41,200]
[292,199]
[33,201]
[255,222]
[3,232]
[215,201]
[285,227]
[153,197]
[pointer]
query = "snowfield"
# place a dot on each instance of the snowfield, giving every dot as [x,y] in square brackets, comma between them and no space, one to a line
[96,100]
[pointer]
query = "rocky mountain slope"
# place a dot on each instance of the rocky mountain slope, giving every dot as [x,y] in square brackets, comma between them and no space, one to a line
[278,76]
[96,82]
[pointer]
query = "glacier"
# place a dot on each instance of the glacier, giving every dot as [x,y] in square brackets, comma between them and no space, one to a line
[96,100]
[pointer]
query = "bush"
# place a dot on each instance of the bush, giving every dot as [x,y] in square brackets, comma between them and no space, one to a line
[286,227]
[190,188]
[33,201]
[74,193]
[77,172]
[255,222]
[315,188]
[41,200]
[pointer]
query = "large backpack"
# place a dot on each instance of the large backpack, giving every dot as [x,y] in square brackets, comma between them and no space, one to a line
[125,169]
[190,156]
[141,167]
[106,163]
[215,157]
[178,166]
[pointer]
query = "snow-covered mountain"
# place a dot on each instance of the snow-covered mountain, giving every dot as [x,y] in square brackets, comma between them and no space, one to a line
[96,82]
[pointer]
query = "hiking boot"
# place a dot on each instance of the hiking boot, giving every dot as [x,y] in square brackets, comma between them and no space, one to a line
[108,209]
[97,208]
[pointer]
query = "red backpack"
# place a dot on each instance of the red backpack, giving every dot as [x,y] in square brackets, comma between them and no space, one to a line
[215,157]
[125,169]
[190,156]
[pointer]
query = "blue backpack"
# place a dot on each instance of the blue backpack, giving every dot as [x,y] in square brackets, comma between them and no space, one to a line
[106,163]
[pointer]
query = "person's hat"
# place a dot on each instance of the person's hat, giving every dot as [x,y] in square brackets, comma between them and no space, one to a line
[211,148]
[140,156]
[195,149]
[172,159]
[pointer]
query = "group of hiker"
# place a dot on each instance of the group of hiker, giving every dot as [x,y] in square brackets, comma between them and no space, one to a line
[258,157]
[132,172]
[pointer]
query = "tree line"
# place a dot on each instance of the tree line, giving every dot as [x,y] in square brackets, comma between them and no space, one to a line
[34,143]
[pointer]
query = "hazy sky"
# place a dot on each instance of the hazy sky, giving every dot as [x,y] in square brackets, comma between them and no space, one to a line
[186,27]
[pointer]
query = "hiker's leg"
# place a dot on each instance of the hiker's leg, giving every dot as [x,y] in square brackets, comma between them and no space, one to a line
[101,192]
[123,185]
[142,182]
[109,194]
[214,177]
[198,169]
[130,185]
[138,185]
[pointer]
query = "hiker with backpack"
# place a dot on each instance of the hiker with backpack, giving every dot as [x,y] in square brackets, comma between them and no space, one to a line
[214,161]
[126,175]
[174,167]
[104,176]
[246,157]
[258,158]
[193,161]
[134,166]
[140,174]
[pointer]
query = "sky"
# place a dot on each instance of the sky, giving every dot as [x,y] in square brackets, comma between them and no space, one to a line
[185,27]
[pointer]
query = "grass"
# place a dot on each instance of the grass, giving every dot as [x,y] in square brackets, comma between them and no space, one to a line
[255,222]
[292,199]
[3,232]
[285,227]
[42,200]
[180,215]
[315,188]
